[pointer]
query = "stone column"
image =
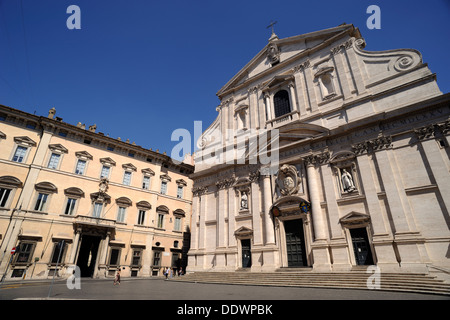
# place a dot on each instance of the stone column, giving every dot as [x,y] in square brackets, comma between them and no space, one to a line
[268,106]
[314,197]
[267,201]
[75,244]
[255,209]
[319,247]
[299,85]
[293,97]
[103,253]
[194,220]
[222,208]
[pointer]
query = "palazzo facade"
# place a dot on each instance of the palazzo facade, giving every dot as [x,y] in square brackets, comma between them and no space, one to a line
[74,197]
[358,170]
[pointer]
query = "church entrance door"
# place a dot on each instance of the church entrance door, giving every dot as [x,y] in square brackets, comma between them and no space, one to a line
[246,253]
[295,243]
[361,246]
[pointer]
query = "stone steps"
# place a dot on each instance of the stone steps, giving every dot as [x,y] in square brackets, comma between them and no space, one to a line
[411,282]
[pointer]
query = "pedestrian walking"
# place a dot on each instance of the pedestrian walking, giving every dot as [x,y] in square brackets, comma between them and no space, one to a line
[166,273]
[117,278]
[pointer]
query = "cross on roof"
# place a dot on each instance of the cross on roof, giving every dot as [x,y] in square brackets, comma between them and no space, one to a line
[271,25]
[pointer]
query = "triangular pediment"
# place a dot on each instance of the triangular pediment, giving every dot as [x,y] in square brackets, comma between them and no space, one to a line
[58,147]
[243,232]
[289,49]
[354,218]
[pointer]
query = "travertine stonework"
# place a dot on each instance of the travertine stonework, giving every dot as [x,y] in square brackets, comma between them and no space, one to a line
[363,144]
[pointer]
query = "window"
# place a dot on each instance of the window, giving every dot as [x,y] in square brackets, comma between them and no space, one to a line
[23,255]
[58,251]
[81,166]
[41,202]
[97,209]
[127,178]
[146,183]
[20,153]
[4,195]
[70,206]
[141,217]
[114,257]
[160,221]
[105,172]
[157,258]
[281,103]
[121,214]
[54,160]
[163,187]
[177,224]
[180,192]
[136,260]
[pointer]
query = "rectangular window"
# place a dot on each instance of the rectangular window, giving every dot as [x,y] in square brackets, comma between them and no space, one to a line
[160,220]
[157,258]
[141,217]
[24,253]
[163,187]
[97,210]
[4,195]
[114,257]
[81,166]
[40,202]
[177,224]
[20,153]
[121,214]
[70,206]
[58,251]
[146,183]
[127,178]
[54,160]
[136,260]
[180,192]
[105,172]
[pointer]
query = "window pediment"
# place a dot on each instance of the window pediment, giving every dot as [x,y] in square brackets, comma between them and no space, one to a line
[10,181]
[124,201]
[108,161]
[59,148]
[83,155]
[74,192]
[148,172]
[129,167]
[46,187]
[165,177]
[162,209]
[25,141]
[179,212]
[143,205]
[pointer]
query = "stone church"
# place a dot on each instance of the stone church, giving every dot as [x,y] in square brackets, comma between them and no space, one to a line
[326,156]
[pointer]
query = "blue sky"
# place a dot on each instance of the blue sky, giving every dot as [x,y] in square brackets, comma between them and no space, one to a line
[140,69]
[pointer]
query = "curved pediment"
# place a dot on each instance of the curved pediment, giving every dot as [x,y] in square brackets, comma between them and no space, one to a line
[288,205]
[295,131]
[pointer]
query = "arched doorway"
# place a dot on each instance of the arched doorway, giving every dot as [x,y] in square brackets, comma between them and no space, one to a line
[293,232]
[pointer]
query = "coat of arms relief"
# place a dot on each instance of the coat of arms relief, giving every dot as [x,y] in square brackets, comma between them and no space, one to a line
[287,180]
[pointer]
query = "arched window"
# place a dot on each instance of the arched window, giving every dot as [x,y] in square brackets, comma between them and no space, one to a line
[281,103]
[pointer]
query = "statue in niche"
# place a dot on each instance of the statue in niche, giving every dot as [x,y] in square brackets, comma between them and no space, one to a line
[347,181]
[244,200]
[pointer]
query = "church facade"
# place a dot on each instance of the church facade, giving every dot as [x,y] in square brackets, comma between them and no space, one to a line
[326,156]
[73,199]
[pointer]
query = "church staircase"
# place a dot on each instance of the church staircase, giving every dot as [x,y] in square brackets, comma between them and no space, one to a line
[355,279]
